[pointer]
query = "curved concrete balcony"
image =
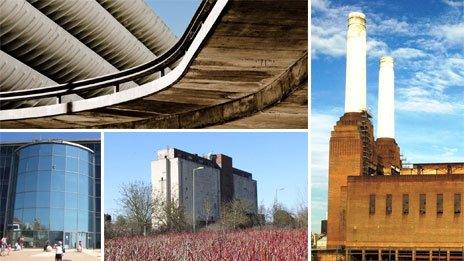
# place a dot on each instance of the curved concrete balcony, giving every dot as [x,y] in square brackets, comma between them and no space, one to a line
[246,57]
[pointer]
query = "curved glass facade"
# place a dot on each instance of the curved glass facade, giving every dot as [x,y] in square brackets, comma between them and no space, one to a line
[53,195]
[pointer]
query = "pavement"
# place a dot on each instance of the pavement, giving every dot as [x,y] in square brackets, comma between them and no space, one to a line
[38,254]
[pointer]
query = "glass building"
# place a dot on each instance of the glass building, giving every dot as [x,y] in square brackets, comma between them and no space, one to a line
[53,192]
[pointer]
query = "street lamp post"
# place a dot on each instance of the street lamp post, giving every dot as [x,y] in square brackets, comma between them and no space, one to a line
[193,196]
[277,190]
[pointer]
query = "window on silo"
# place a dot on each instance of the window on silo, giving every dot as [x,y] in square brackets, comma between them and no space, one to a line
[457,203]
[422,204]
[439,203]
[405,204]
[372,204]
[388,204]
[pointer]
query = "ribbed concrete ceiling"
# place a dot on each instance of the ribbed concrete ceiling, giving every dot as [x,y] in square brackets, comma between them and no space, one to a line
[64,41]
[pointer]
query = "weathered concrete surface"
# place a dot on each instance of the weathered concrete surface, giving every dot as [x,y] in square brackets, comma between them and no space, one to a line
[291,113]
[256,55]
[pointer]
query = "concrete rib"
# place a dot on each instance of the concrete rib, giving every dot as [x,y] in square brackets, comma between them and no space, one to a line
[142,22]
[21,23]
[99,30]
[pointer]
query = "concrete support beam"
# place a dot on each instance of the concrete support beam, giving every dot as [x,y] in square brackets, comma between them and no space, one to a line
[142,22]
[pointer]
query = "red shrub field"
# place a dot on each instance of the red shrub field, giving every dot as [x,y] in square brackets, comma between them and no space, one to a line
[248,244]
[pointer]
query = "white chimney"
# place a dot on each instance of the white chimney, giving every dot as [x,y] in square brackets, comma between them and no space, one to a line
[355,88]
[386,102]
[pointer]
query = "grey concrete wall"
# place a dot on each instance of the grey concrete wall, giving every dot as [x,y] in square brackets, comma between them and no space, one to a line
[245,190]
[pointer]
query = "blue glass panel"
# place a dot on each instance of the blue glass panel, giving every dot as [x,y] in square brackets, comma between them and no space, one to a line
[97,188]
[34,150]
[43,199]
[28,217]
[22,165]
[70,220]
[45,163]
[57,180]
[84,185]
[71,201]
[72,151]
[43,180]
[42,221]
[71,182]
[31,181]
[59,149]
[84,168]
[59,162]
[91,186]
[56,219]
[57,199]
[19,201]
[83,202]
[90,221]
[72,164]
[32,164]
[84,155]
[18,216]
[29,199]
[25,152]
[45,149]
[20,182]
[83,221]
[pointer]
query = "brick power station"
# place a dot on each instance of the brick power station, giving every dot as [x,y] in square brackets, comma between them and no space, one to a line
[378,209]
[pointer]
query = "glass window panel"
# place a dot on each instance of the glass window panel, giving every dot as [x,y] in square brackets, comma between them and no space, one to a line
[28,218]
[71,201]
[40,238]
[57,199]
[34,150]
[45,149]
[83,202]
[72,164]
[56,219]
[43,180]
[91,186]
[25,152]
[22,165]
[59,163]
[31,181]
[43,199]
[57,180]
[71,182]
[19,201]
[83,155]
[32,164]
[97,188]
[97,224]
[90,221]
[56,236]
[98,205]
[83,185]
[45,163]
[18,216]
[29,199]
[59,149]
[20,182]
[70,220]
[42,222]
[84,168]
[97,172]
[72,151]
[83,221]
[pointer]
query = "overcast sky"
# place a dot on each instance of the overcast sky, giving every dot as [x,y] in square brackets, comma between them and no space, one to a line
[426,38]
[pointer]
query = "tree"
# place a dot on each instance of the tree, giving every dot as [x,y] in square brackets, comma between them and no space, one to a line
[136,202]
[168,215]
[208,209]
[236,214]
[282,218]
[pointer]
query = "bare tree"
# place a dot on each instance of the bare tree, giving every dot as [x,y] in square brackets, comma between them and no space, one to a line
[136,202]
[208,209]
[236,214]
[168,215]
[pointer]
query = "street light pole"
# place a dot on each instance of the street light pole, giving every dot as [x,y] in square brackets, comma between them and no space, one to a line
[193,196]
[276,201]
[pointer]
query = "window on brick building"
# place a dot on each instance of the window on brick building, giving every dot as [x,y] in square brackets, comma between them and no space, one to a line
[422,204]
[457,203]
[405,204]
[372,204]
[439,203]
[388,204]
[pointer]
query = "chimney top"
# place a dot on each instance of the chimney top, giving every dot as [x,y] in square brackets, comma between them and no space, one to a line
[384,60]
[357,15]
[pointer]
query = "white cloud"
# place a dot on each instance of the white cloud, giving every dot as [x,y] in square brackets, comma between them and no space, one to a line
[454,3]
[452,34]
[407,53]
[376,48]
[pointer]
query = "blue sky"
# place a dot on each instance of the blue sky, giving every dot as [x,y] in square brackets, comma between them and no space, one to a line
[276,160]
[29,136]
[426,40]
[175,13]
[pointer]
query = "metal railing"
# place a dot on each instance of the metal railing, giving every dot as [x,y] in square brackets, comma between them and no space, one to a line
[160,64]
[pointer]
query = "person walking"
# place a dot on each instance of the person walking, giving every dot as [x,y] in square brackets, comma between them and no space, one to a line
[59,251]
